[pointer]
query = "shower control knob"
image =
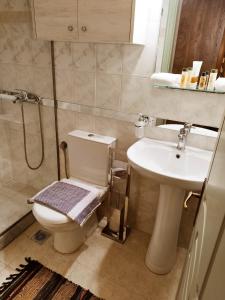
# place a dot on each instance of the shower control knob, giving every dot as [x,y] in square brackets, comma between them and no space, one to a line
[84,28]
[70,28]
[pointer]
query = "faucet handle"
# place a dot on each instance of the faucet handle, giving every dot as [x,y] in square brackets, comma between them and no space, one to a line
[183,132]
[188,126]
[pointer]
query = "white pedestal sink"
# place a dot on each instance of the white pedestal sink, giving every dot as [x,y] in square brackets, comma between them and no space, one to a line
[177,172]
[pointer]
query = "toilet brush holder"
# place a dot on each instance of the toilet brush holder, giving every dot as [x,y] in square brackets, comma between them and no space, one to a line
[116,227]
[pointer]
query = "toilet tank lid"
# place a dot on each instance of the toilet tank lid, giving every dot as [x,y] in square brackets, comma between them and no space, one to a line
[108,140]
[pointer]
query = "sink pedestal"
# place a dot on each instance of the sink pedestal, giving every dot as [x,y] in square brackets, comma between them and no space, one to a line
[161,254]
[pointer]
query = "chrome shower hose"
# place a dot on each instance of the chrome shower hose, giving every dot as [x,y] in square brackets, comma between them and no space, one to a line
[25,138]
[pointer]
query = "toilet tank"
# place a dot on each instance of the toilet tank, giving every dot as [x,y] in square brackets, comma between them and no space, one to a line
[89,156]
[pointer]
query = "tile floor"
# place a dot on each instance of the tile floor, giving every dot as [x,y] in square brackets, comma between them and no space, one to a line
[108,269]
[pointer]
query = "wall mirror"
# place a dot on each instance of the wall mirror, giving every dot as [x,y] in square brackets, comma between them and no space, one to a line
[196,128]
[194,30]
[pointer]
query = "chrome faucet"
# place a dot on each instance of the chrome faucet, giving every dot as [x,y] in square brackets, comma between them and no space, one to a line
[182,136]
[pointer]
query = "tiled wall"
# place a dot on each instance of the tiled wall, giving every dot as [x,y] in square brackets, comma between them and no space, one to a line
[5,163]
[100,88]
[24,64]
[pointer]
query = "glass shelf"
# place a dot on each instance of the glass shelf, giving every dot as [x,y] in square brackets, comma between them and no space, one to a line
[187,89]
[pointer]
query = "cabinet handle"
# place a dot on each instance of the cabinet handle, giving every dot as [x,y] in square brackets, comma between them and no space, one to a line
[70,28]
[84,28]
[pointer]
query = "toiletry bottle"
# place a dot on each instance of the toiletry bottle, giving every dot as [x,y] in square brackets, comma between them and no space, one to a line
[189,76]
[202,81]
[142,122]
[207,79]
[212,79]
[195,75]
[184,77]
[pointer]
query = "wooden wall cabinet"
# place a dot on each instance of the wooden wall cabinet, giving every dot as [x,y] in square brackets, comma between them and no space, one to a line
[109,21]
[55,19]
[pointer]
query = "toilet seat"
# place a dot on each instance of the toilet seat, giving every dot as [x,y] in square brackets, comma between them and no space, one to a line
[48,216]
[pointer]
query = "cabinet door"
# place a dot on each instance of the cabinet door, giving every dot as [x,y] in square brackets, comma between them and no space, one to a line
[105,20]
[208,227]
[189,284]
[55,19]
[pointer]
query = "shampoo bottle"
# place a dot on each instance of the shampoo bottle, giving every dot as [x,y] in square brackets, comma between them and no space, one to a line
[212,79]
[195,75]
[190,71]
[202,81]
[184,78]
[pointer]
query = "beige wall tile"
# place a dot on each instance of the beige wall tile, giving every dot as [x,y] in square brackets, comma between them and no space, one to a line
[135,94]
[63,55]
[66,123]
[6,49]
[48,120]
[24,77]
[123,131]
[84,57]
[138,60]
[41,53]
[108,91]
[84,88]
[109,58]
[8,76]
[85,122]
[22,51]
[64,84]
[11,5]
[42,82]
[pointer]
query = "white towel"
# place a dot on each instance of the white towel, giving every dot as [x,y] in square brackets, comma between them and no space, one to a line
[75,199]
[166,79]
[220,84]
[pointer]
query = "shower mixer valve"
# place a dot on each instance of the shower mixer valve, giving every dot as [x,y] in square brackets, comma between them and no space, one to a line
[24,96]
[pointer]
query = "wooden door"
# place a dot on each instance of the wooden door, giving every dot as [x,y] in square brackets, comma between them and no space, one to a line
[221,58]
[55,19]
[105,20]
[200,34]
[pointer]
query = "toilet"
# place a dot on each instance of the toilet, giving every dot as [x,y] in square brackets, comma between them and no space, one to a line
[89,163]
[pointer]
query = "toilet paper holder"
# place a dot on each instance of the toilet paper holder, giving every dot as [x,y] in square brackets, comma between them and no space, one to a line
[117,210]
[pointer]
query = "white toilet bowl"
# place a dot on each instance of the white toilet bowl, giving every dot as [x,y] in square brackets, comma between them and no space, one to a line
[89,157]
[68,236]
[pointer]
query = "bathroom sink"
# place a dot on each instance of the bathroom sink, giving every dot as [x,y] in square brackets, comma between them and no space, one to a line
[165,163]
[177,172]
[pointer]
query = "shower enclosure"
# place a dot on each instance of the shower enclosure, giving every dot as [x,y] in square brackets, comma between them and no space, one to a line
[28,156]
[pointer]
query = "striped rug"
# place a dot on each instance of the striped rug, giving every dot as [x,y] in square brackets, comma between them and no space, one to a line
[33,281]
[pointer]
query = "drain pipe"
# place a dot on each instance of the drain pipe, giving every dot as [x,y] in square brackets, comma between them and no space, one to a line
[55,108]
